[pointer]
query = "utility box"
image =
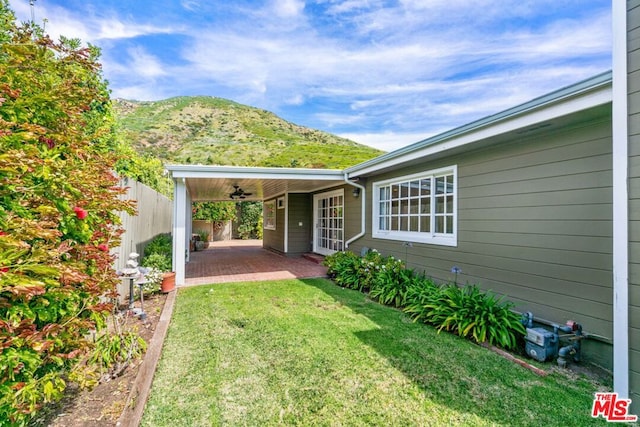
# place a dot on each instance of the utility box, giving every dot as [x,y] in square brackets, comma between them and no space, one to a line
[541,344]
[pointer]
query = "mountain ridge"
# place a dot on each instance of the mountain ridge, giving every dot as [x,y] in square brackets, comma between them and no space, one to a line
[211,130]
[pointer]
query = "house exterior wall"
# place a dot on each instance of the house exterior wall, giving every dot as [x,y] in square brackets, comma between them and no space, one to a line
[534,223]
[274,239]
[299,210]
[633,64]
[300,215]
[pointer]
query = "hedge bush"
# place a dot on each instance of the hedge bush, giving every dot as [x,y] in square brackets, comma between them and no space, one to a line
[59,203]
[467,311]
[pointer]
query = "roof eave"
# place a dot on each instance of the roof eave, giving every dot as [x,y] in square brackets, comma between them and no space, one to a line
[583,95]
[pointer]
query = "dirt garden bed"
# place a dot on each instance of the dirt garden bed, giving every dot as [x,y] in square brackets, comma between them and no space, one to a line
[104,404]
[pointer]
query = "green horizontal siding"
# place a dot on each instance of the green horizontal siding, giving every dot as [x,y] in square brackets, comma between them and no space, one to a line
[534,223]
[300,208]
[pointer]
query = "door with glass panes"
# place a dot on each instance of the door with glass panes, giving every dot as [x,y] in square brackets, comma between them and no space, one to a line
[328,212]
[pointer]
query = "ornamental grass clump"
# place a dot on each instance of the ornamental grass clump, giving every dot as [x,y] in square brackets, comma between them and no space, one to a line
[474,314]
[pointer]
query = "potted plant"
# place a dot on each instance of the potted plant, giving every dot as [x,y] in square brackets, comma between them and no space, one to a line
[157,256]
[203,240]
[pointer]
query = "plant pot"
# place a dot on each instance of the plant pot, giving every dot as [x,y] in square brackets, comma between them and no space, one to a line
[168,282]
[201,245]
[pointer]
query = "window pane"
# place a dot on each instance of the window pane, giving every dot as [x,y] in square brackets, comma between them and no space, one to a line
[449,204]
[440,185]
[384,223]
[383,208]
[449,224]
[439,204]
[404,207]
[413,223]
[413,206]
[414,190]
[425,187]
[449,184]
[439,224]
[394,207]
[404,223]
[425,205]
[425,224]
[404,189]
[384,193]
[395,191]
[394,223]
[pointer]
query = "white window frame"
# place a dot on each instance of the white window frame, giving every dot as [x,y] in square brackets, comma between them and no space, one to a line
[431,237]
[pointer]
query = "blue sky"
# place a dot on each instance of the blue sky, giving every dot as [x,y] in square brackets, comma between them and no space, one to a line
[385,73]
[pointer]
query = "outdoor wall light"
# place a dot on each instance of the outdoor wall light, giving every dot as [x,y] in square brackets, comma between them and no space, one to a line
[356,192]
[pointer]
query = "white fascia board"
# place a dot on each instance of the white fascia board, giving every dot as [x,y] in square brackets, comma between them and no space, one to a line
[438,144]
[198,171]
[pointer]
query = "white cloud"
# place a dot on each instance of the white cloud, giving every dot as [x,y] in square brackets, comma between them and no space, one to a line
[412,69]
[288,8]
[387,141]
[143,64]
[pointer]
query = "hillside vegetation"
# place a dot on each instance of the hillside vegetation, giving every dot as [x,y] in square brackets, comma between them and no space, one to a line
[208,130]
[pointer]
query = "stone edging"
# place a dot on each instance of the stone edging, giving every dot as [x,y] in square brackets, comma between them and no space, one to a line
[134,407]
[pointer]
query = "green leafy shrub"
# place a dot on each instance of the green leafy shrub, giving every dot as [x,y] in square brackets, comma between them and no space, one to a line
[344,269]
[474,314]
[214,211]
[59,203]
[250,221]
[466,311]
[157,261]
[417,295]
[161,244]
[158,253]
[391,286]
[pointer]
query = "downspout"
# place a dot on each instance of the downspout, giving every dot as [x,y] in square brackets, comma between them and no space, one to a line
[363,201]
[620,136]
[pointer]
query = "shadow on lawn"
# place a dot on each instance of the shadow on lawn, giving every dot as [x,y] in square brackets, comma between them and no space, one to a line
[453,372]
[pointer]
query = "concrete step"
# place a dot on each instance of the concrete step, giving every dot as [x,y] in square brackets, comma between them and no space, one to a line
[313,257]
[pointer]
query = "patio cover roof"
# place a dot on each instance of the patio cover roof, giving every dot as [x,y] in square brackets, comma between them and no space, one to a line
[216,183]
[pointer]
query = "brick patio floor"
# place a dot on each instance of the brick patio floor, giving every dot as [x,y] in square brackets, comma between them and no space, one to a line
[244,261]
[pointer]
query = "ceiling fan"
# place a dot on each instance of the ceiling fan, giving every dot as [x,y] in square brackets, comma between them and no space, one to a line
[238,193]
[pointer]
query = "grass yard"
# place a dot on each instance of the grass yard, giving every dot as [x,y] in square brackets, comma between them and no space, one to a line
[306,352]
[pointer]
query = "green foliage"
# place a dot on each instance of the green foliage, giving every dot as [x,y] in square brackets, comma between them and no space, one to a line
[250,221]
[203,235]
[467,311]
[158,253]
[344,269]
[158,261]
[144,168]
[214,211]
[58,212]
[474,314]
[392,286]
[207,130]
[117,350]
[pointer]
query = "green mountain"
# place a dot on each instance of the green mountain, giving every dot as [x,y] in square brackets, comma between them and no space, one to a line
[207,130]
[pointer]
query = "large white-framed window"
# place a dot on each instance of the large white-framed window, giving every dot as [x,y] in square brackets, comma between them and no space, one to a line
[418,208]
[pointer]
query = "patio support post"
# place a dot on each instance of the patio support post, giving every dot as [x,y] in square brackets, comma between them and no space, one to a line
[179,229]
[189,227]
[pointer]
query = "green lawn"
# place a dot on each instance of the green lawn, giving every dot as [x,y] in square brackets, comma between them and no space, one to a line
[306,352]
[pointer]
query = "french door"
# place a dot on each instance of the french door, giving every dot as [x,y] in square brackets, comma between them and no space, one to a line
[328,217]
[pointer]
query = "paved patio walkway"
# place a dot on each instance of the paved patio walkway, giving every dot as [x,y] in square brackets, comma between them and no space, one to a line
[244,261]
